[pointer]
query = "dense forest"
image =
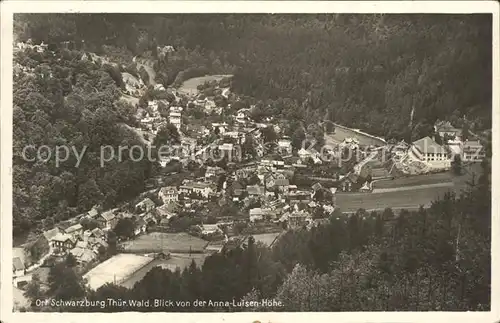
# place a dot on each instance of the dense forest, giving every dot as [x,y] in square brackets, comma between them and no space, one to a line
[62,100]
[435,259]
[366,71]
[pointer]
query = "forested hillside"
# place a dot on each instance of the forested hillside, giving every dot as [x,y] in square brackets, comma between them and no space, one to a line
[435,259]
[366,71]
[62,100]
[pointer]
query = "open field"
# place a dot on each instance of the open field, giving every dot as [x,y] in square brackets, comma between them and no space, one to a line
[426,179]
[266,238]
[159,241]
[343,132]
[459,182]
[411,198]
[189,87]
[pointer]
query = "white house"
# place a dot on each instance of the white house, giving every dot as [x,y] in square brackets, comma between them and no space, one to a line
[213,171]
[242,115]
[153,105]
[285,146]
[256,214]
[168,194]
[175,118]
[473,151]
[431,153]
[221,126]
[204,189]
[207,229]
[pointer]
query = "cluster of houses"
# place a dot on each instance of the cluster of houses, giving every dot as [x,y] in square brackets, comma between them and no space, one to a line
[427,155]
[40,48]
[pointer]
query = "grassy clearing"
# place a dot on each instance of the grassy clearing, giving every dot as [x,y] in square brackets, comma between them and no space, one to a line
[414,180]
[401,199]
[342,133]
[159,241]
[266,238]
[190,87]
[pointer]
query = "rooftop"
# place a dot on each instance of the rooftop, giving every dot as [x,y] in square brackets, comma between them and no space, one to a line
[427,145]
[17,264]
[116,269]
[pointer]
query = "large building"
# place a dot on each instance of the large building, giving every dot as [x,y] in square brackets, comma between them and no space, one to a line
[473,151]
[175,118]
[431,153]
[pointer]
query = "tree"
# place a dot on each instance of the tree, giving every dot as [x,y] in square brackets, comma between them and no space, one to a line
[125,228]
[456,165]
[89,195]
[269,134]
[167,135]
[465,131]
[33,290]
[248,149]
[70,260]
[298,138]
[64,283]
[112,243]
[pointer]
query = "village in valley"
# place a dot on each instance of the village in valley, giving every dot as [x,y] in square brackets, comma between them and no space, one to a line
[231,176]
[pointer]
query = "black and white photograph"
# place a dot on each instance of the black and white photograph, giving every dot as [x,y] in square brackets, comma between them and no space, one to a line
[216,162]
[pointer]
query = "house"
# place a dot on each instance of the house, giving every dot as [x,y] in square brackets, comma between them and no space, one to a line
[140,226]
[237,189]
[227,149]
[50,234]
[94,212]
[74,230]
[153,105]
[145,205]
[445,128]
[19,276]
[83,256]
[431,153]
[168,194]
[209,229]
[213,172]
[317,187]
[159,87]
[245,172]
[366,187]
[62,242]
[18,267]
[349,143]
[473,151]
[167,211]
[222,127]
[256,214]
[107,220]
[255,190]
[298,197]
[242,115]
[304,154]
[298,219]
[281,185]
[348,182]
[285,146]
[175,118]
[97,233]
[204,189]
